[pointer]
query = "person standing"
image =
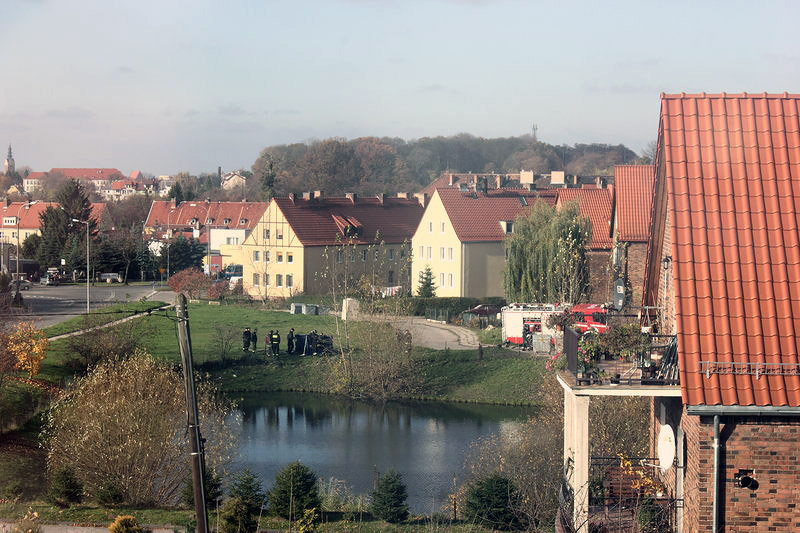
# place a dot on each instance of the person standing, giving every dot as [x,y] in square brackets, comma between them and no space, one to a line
[254,340]
[274,342]
[246,339]
[290,341]
[277,341]
[268,343]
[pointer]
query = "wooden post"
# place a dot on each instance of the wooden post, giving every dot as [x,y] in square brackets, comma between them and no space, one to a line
[196,453]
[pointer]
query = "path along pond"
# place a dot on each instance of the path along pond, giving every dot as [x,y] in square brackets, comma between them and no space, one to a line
[351,441]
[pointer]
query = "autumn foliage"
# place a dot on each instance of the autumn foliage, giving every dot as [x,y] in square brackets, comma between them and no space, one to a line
[190,281]
[27,345]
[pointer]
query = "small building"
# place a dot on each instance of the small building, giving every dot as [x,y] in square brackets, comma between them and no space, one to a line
[312,244]
[100,178]
[461,238]
[20,220]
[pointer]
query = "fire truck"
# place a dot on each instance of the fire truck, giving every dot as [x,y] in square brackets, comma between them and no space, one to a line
[524,323]
[589,317]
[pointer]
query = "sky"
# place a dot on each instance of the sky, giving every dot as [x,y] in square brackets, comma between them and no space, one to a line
[171,85]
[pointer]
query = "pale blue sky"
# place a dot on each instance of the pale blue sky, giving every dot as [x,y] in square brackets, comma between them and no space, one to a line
[164,86]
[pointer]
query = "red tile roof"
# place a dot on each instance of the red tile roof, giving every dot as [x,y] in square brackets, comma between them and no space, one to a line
[320,222]
[476,217]
[732,169]
[88,173]
[29,216]
[34,176]
[634,202]
[240,215]
[595,204]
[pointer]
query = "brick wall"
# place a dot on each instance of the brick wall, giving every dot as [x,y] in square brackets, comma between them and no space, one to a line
[666,293]
[635,267]
[768,446]
[599,276]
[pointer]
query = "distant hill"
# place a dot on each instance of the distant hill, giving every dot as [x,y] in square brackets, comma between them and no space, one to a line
[371,165]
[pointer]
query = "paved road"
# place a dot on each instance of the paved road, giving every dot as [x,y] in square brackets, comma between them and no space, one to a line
[50,305]
[432,334]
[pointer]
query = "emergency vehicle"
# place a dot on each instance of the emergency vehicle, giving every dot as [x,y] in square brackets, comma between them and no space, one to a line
[524,322]
[589,317]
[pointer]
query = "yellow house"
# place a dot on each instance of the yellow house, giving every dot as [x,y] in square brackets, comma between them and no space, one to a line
[460,237]
[307,244]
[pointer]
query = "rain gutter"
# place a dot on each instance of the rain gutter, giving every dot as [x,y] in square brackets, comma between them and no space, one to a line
[715,501]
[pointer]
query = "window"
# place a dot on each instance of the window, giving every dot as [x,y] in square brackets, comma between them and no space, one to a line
[266,256]
[193,221]
[13,234]
[450,280]
[266,280]
[242,221]
[256,256]
[279,234]
[255,279]
[441,279]
[363,256]
[209,221]
[226,221]
[450,254]
[339,256]
[441,252]
[289,258]
[442,227]
[280,257]
[278,280]
[391,276]
[289,280]
[430,227]
[402,252]
[422,252]
[430,252]
[352,256]
[266,234]
[391,254]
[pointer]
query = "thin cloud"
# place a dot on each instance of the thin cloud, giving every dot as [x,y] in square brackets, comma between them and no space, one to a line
[439,88]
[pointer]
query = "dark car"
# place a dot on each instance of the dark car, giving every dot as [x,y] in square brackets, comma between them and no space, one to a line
[21,284]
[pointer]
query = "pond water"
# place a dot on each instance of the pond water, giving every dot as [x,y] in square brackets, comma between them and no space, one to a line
[351,441]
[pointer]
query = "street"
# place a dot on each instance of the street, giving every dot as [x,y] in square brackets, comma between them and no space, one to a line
[48,305]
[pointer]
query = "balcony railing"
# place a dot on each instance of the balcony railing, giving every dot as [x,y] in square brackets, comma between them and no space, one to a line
[657,366]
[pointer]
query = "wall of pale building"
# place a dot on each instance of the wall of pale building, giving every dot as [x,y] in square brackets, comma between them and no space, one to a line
[484,268]
[436,245]
[224,236]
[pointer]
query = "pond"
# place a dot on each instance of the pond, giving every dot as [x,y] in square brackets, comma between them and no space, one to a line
[353,441]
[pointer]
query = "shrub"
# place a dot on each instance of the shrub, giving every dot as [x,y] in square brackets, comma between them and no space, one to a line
[125,524]
[218,290]
[389,498]
[246,487]
[235,517]
[192,281]
[493,502]
[109,495]
[212,485]
[65,487]
[28,524]
[308,522]
[294,491]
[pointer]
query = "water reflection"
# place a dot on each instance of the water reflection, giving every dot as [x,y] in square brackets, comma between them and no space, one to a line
[352,440]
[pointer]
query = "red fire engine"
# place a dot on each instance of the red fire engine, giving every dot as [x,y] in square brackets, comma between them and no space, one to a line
[589,317]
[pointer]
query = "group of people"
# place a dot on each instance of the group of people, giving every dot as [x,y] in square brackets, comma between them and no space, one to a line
[273,342]
[309,344]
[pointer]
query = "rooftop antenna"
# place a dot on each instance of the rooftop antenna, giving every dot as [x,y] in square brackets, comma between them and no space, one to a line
[534,129]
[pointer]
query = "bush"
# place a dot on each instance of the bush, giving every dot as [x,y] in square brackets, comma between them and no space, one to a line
[218,290]
[192,281]
[125,524]
[493,502]
[417,305]
[212,485]
[294,491]
[65,487]
[389,499]
[235,517]
[28,524]
[246,487]
[109,495]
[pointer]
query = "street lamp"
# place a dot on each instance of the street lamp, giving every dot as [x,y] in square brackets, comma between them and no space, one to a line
[169,238]
[87,260]
[26,205]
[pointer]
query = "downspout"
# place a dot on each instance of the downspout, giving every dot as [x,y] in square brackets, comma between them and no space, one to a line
[715,501]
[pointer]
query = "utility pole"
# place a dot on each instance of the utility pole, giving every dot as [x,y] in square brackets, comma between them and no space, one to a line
[196,453]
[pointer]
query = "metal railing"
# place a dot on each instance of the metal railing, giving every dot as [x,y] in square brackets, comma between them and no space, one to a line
[756,369]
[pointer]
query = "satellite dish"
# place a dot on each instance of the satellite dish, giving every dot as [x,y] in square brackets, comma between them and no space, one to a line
[666,447]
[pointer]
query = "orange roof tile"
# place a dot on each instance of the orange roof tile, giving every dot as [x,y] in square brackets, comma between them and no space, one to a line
[732,170]
[634,201]
[88,173]
[322,221]
[595,204]
[476,216]
[29,213]
[239,215]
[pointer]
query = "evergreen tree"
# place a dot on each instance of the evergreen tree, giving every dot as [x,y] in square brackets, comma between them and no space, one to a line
[266,178]
[493,502]
[427,288]
[54,226]
[235,517]
[212,484]
[176,192]
[294,491]
[183,253]
[247,488]
[389,498]
[65,487]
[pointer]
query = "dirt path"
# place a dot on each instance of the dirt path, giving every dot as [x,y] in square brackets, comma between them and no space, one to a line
[430,334]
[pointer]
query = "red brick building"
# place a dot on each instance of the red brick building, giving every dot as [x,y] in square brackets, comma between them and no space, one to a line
[723,272]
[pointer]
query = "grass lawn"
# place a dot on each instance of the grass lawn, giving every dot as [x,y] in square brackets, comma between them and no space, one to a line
[102,316]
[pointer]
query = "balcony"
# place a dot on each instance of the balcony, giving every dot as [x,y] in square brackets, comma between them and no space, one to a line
[654,366]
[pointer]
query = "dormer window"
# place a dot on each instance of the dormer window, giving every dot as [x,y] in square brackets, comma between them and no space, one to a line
[508,226]
[226,221]
[210,221]
[243,221]
[193,221]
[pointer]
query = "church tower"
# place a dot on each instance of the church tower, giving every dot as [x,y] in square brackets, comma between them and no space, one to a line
[9,165]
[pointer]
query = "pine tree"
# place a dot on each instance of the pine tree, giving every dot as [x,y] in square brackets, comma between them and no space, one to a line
[389,499]
[294,491]
[246,487]
[427,288]
[493,502]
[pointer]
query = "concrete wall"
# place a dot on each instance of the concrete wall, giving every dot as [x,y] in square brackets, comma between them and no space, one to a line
[436,245]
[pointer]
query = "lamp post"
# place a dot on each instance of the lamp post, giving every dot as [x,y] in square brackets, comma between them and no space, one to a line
[87,260]
[26,205]
[169,238]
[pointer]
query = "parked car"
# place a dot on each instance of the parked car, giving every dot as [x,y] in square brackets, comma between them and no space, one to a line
[21,284]
[49,279]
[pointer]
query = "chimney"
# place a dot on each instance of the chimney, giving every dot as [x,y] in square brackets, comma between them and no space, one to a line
[208,200]
[353,197]
[307,196]
[318,195]
[6,201]
[292,197]
[452,180]
[381,198]
[422,198]
[403,195]
[498,181]
[173,203]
